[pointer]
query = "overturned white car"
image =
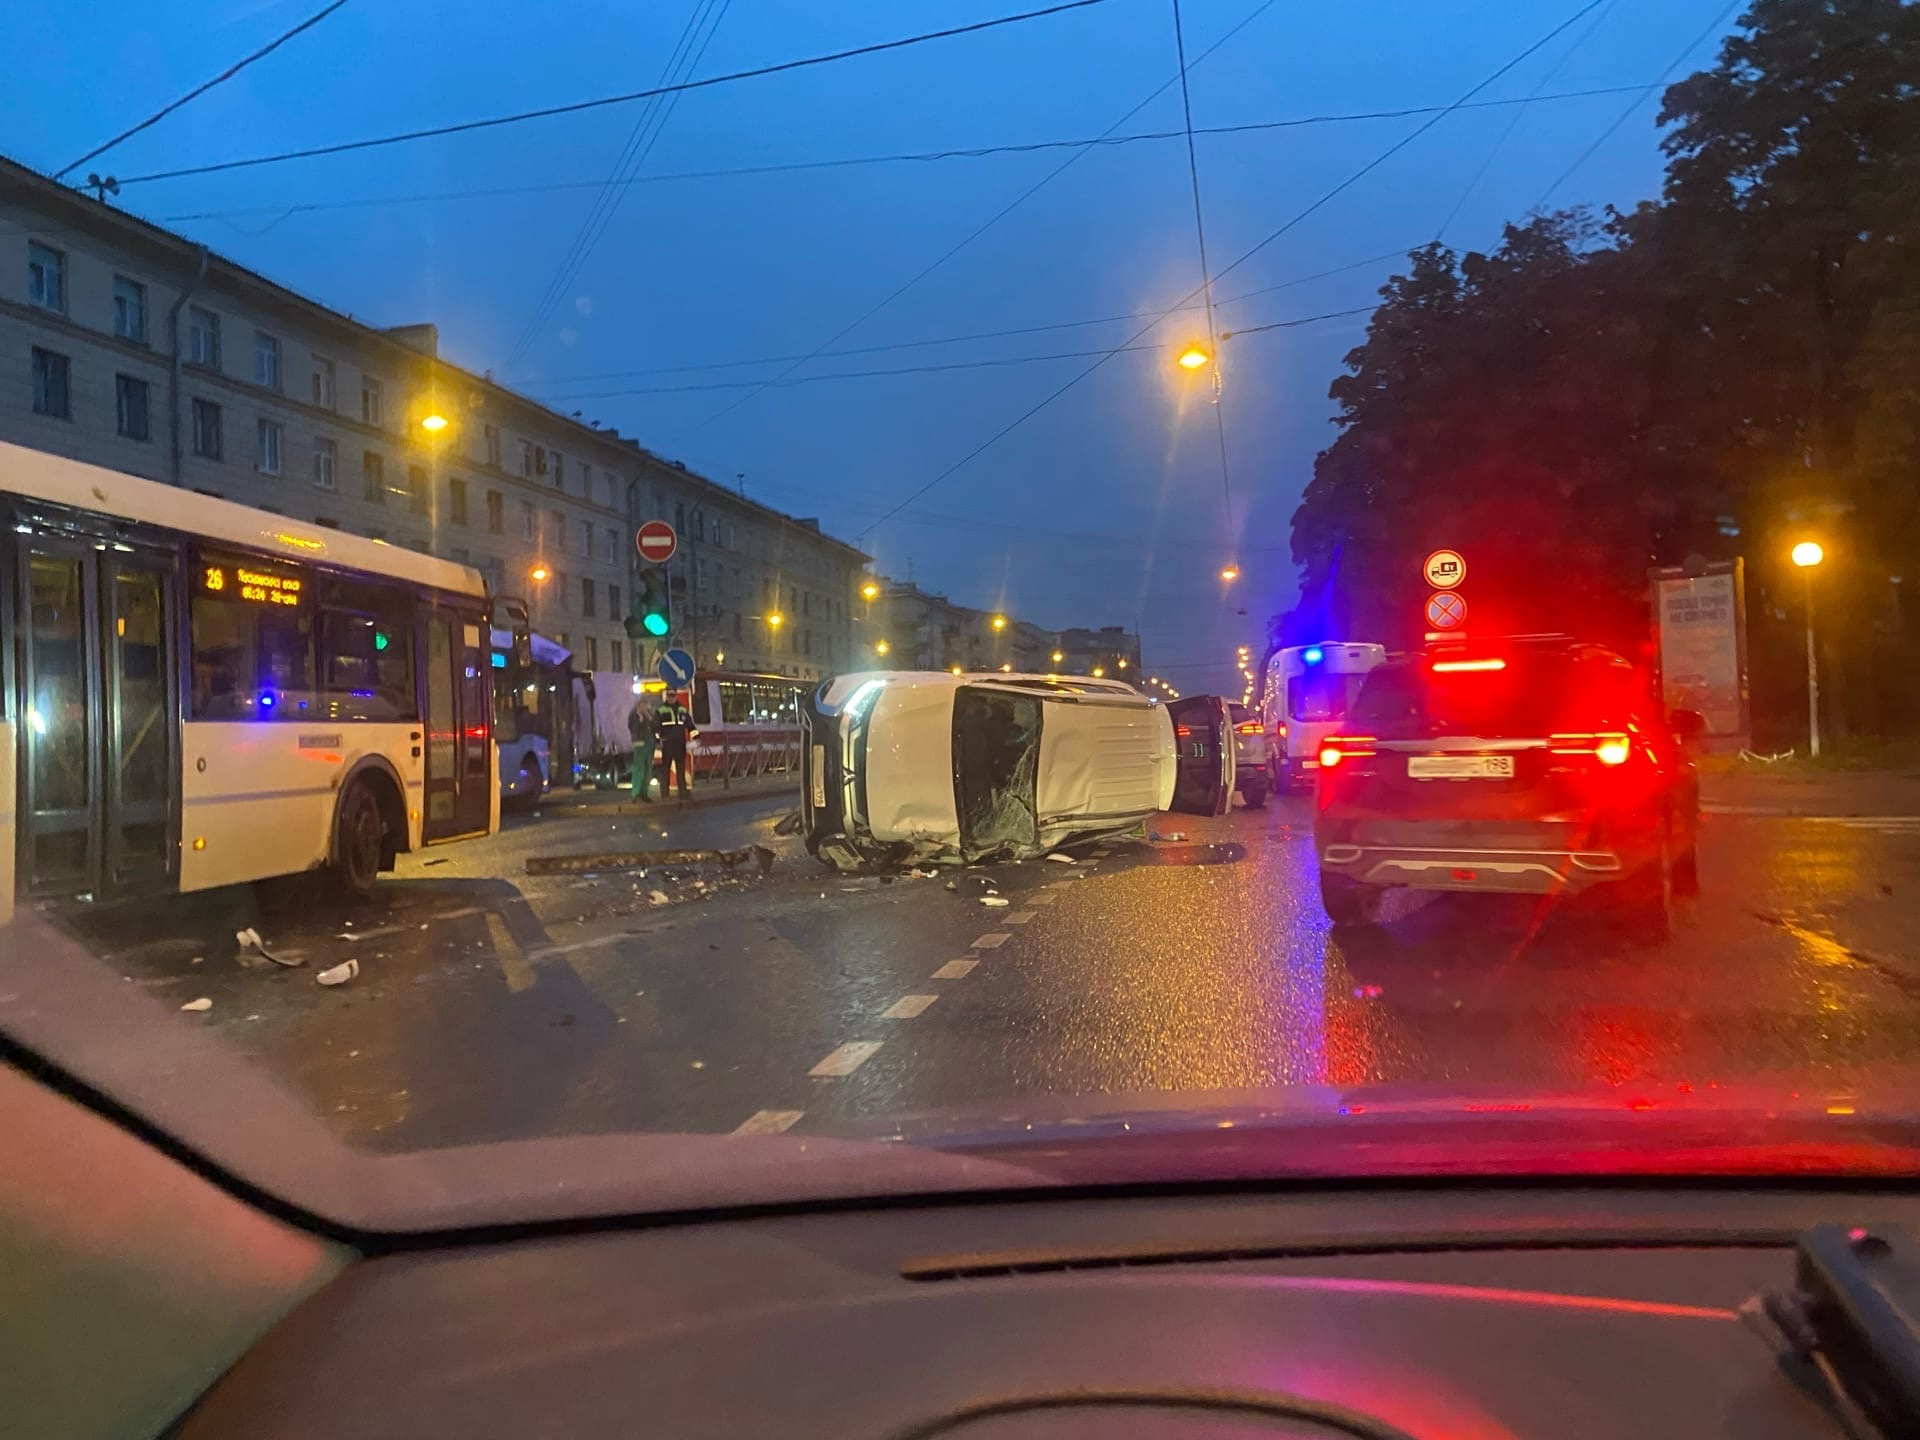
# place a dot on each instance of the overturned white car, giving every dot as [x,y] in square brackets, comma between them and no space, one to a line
[905,766]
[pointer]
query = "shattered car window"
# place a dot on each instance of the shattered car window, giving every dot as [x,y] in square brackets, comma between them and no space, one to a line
[996,757]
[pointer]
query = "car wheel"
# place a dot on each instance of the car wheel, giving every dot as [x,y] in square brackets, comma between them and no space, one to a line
[360,838]
[1348,902]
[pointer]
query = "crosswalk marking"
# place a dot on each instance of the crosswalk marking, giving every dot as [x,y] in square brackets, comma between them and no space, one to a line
[769,1122]
[955,970]
[908,1007]
[1019,917]
[992,941]
[847,1059]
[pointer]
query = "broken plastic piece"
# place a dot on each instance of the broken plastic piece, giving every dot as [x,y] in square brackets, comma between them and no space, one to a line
[339,974]
[203,1003]
[995,900]
[1063,858]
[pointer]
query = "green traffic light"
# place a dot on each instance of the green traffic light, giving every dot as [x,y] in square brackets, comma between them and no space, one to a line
[655,622]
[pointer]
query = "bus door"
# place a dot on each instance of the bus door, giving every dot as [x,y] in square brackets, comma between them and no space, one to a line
[100,719]
[458,681]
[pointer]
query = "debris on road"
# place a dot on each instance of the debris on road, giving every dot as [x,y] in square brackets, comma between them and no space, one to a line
[995,900]
[251,944]
[1171,836]
[788,824]
[340,974]
[659,897]
[757,855]
[202,1004]
[1063,858]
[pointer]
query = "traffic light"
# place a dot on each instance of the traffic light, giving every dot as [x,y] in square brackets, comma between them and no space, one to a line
[653,608]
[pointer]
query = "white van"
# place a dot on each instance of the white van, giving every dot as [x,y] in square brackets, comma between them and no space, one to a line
[902,767]
[1308,689]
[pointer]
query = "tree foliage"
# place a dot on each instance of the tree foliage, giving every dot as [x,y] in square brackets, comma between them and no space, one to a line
[1717,372]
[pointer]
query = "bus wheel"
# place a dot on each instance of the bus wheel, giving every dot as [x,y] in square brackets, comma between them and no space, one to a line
[359,843]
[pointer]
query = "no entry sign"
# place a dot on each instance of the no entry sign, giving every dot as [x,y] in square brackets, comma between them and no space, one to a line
[657,542]
[1446,610]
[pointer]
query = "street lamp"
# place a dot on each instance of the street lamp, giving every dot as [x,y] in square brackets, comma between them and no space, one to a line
[999,622]
[1123,664]
[1194,357]
[870,591]
[433,423]
[1229,572]
[775,620]
[1058,656]
[539,574]
[1098,673]
[1808,555]
[956,669]
[881,648]
[1006,667]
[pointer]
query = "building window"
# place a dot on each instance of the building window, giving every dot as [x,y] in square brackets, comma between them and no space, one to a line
[559,471]
[324,394]
[609,544]
[129,309]
[491,434]
[51,385]
[457,501]
[526,457]
[586,539]
[560,586]
[559,532]
[270,436]
[370,398]
[46,277]
[373,477]
[526,521]
[496,512]
[613,609]
[593,652]
[266,361]
[207,439]
[616,658]
[323,455]
[700,525]
[586,481]
[203,338]
[587,589]
[417,493]
[130,402]
[679,518]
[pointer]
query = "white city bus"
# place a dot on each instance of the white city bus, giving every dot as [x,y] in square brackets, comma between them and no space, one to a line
[194,693]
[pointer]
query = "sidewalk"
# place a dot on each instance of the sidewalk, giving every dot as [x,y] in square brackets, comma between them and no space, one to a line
[706,793]
[1752,791]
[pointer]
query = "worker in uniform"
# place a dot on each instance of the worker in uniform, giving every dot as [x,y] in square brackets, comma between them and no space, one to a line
[676,729]
[640,730]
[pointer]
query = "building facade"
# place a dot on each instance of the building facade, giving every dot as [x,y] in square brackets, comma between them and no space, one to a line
[924,631]
[125,345]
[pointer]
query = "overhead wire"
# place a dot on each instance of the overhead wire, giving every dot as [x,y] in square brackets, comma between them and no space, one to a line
[462,127]
[974,152]
[981,229]
[1300,216]
[640,142]
[199,90]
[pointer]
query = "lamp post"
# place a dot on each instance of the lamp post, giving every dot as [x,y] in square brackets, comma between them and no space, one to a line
[1808,555]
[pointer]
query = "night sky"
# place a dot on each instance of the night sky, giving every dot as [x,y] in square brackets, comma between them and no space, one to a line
[1106,507]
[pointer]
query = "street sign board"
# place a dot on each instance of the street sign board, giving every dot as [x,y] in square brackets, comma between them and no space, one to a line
[1446,610]
[676,668]
[1699,615]
[656,542]
[1444,569]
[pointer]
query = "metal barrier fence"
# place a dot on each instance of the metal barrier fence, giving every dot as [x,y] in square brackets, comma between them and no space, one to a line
[733,755]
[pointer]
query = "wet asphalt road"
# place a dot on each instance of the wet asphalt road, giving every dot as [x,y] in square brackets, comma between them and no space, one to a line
[492,1005]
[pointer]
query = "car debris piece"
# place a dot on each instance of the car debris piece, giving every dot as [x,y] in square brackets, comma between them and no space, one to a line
[658,897]
[1062,858]
[197,1006]
[250,943]
[758,856]
[995,900]
[340,974]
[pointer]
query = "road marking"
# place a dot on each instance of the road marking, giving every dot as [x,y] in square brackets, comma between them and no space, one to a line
[513,960]
[769,1122]
[847,1059]
[1885,824]
[907,1007]
[993,941]
[955,970]
[1019,917]
[1044,897]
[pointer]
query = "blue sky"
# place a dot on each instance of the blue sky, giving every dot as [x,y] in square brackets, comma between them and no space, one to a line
[1106,507]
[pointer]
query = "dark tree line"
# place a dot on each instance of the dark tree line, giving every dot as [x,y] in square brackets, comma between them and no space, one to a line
[1720,372]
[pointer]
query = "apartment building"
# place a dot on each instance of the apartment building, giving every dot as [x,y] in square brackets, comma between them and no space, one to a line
[128,346]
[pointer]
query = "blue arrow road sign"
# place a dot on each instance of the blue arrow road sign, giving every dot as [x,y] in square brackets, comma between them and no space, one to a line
[676,668]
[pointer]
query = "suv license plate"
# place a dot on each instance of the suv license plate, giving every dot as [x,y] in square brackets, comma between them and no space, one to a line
[1459,767]
[819,768]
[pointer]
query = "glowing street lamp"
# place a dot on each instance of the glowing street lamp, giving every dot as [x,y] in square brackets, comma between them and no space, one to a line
[870,591]
[1006,667]
[1229,572]
[433,422]
[539,574]
[1808,555]
[956,669]
[1058,657]
[999,622]
[1123,664]
[881,648]
[1194,357]
[1098,673]
[775,620]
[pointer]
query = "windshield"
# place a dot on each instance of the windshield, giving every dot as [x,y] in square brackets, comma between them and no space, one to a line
[959,573]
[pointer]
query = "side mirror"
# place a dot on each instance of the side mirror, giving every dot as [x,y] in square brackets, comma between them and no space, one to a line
[1687,724]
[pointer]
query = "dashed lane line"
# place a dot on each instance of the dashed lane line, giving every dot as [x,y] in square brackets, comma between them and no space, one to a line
[847,1059]
[992,941]
[907,1007]
[1019,917]
[955,970]
[1044,897]
[769,1122]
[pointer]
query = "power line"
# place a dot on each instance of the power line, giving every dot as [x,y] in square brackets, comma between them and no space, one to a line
[999,362]
[576,107]
[1635,103]
[1324,199]
[640,142]
[980,230]
[199,90]
[975,152]
[1130,315]
[1206,273]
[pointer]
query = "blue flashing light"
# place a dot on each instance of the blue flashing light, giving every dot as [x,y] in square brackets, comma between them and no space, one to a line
[1313,655]
[499,661]
[266,699]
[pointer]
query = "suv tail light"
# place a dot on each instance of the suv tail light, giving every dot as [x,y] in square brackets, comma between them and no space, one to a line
[1608,749]
[1249,727]
[1343,747]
